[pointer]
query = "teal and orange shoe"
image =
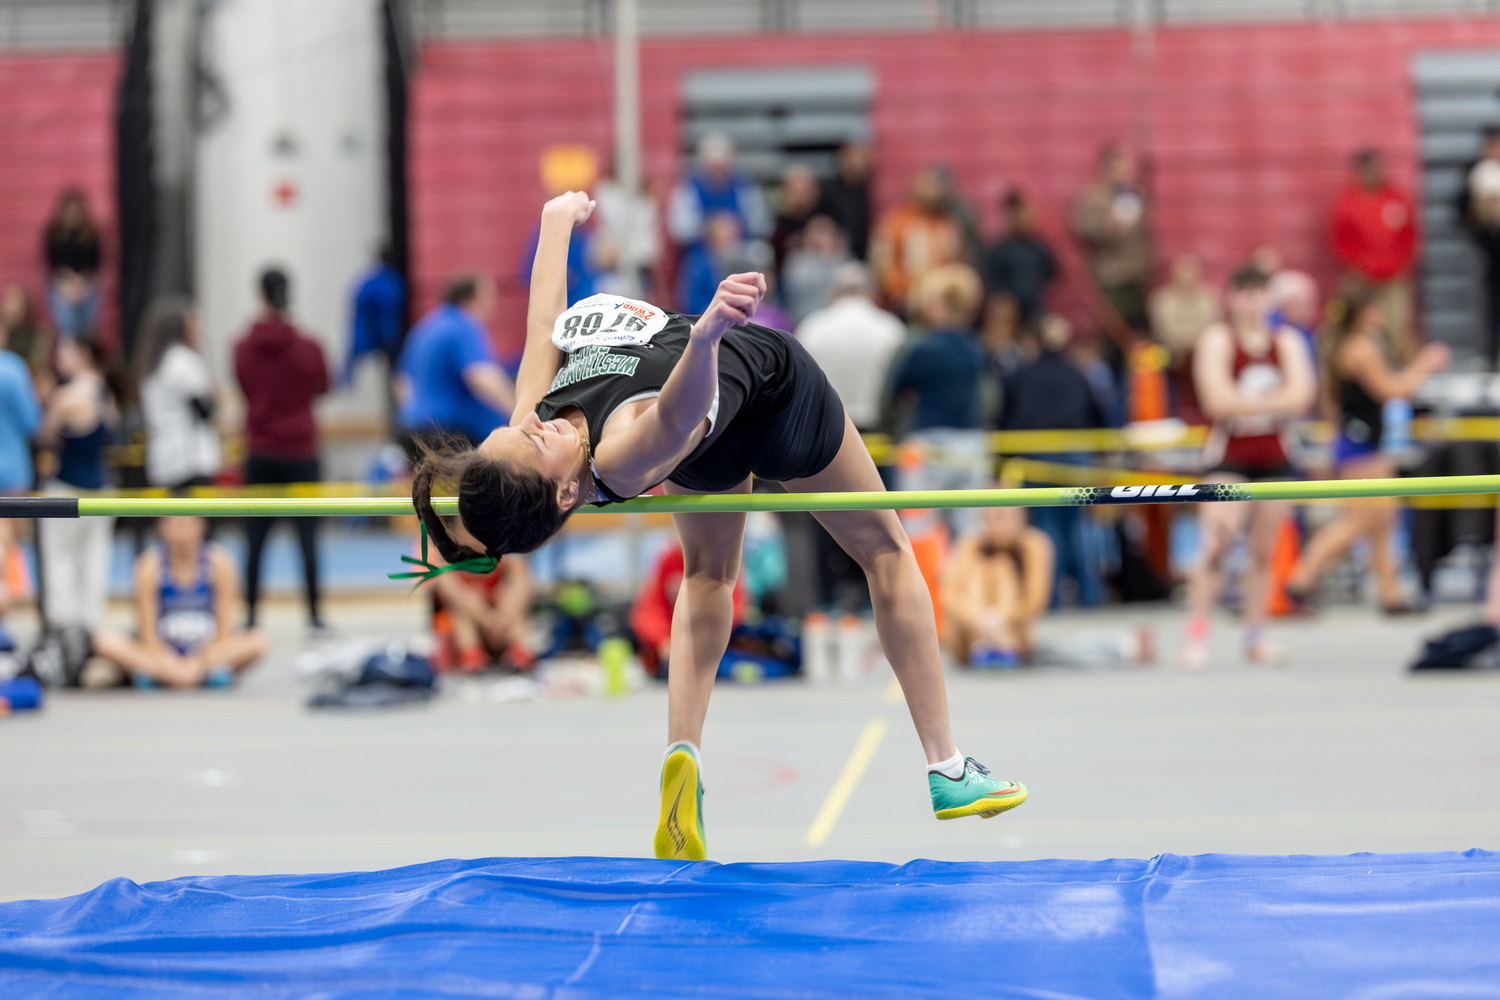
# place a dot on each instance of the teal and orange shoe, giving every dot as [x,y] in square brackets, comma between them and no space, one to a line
[679,831]
[975,794]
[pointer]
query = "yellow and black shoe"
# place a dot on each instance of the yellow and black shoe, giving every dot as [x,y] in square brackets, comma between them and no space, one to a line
[679,831]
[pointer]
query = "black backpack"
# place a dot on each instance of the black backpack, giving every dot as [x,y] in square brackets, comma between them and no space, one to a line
[1460,649]
[59,655]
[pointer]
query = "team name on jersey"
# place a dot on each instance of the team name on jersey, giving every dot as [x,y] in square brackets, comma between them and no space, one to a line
[590,361]
[608,321]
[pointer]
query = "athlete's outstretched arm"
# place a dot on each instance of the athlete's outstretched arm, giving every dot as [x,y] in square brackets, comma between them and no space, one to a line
[549,298]
[646,450]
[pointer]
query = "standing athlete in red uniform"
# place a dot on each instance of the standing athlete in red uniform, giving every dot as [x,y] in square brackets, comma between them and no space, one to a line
[1253,381]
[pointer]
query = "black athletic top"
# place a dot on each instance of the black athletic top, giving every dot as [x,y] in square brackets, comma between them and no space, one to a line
[621,350]
[1361,416]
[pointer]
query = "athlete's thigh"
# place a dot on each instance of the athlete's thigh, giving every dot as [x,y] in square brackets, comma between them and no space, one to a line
[858,532]
[710,542]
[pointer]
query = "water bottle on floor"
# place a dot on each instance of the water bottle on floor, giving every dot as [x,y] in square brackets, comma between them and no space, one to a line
[851,649]
[816,663]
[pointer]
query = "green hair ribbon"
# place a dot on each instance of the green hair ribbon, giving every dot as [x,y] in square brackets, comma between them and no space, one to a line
[477,564]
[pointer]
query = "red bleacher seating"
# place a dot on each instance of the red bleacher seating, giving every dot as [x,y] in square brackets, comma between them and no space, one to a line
[57,129]
[1247,127]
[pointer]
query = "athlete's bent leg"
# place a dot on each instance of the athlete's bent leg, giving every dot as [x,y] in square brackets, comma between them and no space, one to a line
[158,665]
[237,651]
[903,606]
[908,632]
[1378,523]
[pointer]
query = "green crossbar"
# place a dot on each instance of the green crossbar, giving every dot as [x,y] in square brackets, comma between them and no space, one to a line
[1052,496]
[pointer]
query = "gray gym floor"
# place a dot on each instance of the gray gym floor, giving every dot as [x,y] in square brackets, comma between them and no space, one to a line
[1339,752]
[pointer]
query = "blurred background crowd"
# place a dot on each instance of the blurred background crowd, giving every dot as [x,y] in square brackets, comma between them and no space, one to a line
[991,308]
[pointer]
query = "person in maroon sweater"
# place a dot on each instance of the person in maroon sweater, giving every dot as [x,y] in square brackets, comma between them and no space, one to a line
[281,371]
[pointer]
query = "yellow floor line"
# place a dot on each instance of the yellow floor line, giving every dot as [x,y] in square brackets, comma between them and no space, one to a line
[848,780]
[893,693]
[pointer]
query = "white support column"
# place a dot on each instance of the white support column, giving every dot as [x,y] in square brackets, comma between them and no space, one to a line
[628,116]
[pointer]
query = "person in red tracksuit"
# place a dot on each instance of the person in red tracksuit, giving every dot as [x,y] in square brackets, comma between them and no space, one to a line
[281,371]
[1375,235]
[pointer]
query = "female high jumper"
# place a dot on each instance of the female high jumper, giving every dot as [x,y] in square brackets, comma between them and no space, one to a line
[701,404]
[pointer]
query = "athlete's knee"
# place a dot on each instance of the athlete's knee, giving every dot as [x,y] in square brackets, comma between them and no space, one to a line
[1216,546]
[721,572]
[888,564]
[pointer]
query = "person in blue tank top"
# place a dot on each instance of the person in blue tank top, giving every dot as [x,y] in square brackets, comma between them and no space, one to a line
[616,396]
[187,597]
[79,425]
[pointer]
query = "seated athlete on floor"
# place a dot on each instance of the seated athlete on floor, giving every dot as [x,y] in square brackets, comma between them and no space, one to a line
[483,618]
[997,582]
[187,597]
[649,396]
[652,611]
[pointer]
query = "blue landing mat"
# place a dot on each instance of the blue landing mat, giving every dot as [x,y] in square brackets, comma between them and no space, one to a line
[1366,925]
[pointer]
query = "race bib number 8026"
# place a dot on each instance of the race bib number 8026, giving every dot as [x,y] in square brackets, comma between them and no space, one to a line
[607,321]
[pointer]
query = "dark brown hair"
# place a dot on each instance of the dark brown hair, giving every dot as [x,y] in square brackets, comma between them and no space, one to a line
[165,324]
[508,508]
[1340,321]
[1248,276]
[461,289]
[87,228]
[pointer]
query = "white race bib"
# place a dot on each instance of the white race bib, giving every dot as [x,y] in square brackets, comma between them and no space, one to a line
[607,321]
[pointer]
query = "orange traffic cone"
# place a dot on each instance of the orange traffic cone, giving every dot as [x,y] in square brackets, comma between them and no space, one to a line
[17,573]
[1148,382]
[1283,561]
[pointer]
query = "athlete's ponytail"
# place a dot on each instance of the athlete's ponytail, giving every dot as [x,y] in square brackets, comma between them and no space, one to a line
[507,508]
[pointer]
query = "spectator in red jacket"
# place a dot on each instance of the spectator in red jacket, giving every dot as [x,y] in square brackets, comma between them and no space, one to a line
[281,371]
[1375,235]
[651,614]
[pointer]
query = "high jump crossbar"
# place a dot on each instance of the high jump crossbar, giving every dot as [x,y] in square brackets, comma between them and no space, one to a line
[1050,496]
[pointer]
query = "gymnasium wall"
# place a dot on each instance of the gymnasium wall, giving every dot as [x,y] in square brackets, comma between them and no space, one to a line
[1247,128]
[57,127]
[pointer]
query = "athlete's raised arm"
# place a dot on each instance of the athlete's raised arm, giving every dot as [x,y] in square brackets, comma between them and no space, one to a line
[549,298]
[645,451]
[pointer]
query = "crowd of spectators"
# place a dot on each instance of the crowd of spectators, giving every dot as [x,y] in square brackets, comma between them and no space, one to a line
[74,414]
[934,334]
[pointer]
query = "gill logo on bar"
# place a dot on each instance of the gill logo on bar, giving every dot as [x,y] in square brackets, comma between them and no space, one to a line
[1157,492]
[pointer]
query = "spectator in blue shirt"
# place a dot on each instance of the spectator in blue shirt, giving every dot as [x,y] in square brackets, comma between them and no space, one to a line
[449,380]
[20,416]
[379,313]
[716,184]
[939,380]
[724,251]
